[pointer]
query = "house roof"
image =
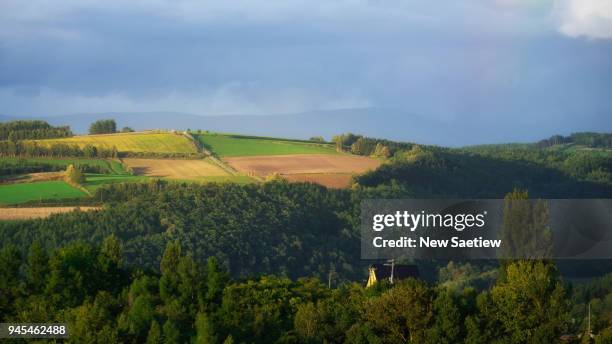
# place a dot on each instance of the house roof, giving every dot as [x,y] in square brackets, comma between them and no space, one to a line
[400,271]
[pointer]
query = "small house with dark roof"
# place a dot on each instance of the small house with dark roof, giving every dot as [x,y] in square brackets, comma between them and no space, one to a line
[380,272]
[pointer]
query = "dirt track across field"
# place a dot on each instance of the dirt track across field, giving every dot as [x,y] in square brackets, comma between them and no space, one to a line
[37,213]
[331,180]
[173,168]
[262,166]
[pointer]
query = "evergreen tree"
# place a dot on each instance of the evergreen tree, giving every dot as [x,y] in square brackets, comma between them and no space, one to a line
[10,263]
[385,152]
[216,280]
[93,322]
[190,285]
[37,268]
[172,334]
[448,320]
[169,280]
[73,275]
[140,316]
[525,230]
[155,335]
[483,326]
[110,262]
[205,333]
[73,175]
[111,253]
[139,313]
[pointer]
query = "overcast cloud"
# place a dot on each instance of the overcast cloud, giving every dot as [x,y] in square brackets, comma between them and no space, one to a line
[449,59]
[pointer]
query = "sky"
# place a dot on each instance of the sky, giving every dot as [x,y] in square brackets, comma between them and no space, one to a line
[544,59]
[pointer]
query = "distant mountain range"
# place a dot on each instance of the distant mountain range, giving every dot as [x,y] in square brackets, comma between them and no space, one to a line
[391,124]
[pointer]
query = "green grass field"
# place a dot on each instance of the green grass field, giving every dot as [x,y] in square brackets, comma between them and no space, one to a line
[142,142]
[94,181]
[59,190]
[23,192]
[225,145]
[114,166]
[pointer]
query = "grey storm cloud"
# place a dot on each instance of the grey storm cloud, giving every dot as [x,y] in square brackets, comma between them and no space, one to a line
[465,58]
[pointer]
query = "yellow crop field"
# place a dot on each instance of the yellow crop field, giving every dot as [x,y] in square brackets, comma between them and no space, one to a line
[133,142]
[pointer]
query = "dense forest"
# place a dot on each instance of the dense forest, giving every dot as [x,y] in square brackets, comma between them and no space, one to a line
[291,229]
[31,130]
[490,172]
[182,300]
[593,140]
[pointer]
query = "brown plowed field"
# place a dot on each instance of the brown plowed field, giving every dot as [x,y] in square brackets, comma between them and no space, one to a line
[37,213]
[173,168]
[331,180]
[262,166]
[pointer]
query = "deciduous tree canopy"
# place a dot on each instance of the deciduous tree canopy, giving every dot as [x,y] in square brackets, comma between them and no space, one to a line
[103,126]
